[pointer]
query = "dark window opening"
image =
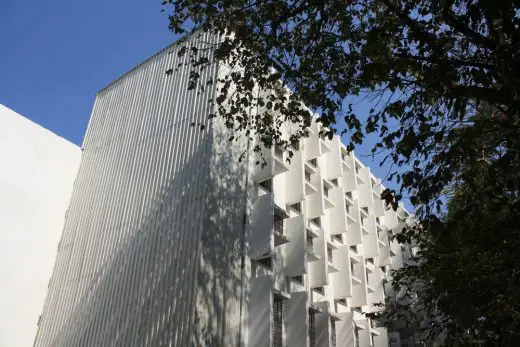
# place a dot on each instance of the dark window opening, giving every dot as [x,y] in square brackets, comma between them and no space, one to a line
[310,243]
[333,333]
[267,185]
[313,162]
[312,329]
[278,321]
[319,290]
[278,225]
[308,176]
[298,279]
[338,237]
[278,152]
[297,206]
[316,221]
[266,262]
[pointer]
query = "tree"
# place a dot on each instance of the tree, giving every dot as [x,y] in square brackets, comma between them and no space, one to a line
[444,71]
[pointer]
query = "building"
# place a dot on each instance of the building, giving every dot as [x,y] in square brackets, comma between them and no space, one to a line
[38,171]
[171,240]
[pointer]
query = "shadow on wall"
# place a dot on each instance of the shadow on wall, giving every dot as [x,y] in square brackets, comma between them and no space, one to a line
[176,280]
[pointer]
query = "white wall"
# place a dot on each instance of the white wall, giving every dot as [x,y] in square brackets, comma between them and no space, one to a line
[36,179]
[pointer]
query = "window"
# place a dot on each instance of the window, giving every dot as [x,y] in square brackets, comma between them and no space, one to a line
[314,162]
[370,261]
[298,279]
[278,225]
[329,255]
[266,262]
[319,290]
[378,221]
[365,209]
[316,221]
[297,206]
[296,145]
[308,176]
[356,335]
[349,195]
[334,181]
[278,152]
[267,185]
[278,321]
[352,267]
[312,329]
[353,248]
[338,237]
[310,243]
[332,333]
[326,191]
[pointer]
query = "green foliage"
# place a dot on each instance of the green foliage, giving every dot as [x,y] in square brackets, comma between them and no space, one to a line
[445,71]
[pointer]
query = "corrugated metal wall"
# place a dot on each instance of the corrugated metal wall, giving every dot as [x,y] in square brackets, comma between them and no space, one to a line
[138,263]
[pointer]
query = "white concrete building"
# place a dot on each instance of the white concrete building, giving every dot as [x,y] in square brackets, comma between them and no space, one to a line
[36,179]
[170,240]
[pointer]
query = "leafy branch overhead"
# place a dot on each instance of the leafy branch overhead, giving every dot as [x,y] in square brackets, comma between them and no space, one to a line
[431,65]
[443,78]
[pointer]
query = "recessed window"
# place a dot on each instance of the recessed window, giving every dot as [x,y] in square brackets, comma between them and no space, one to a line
[313,162]
[267,185]
[266,262]
[278,321]
[338,237]
[353,248]
[298,279]
[320,290]
[297,206]
[316,221]
[334,181]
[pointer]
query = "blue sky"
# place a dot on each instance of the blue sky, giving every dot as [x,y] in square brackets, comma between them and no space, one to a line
[55,55]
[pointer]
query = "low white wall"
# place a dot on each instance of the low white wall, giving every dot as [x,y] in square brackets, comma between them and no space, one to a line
[36,178]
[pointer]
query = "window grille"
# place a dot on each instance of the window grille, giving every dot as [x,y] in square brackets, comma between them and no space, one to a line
[333,333]
[277,321]
[278,225]
[312,329]
[310,243]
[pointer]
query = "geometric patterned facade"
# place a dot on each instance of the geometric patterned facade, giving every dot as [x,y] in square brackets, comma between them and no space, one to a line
[171,240]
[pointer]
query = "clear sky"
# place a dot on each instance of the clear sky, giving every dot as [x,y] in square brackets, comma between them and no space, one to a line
[55,55]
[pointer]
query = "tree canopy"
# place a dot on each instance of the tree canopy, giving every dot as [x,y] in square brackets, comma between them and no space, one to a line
[443,75]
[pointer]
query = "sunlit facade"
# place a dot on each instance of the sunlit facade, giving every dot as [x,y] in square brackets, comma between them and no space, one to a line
[171,240]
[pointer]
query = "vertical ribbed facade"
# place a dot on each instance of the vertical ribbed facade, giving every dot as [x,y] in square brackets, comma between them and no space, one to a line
[170,240]
[133,254]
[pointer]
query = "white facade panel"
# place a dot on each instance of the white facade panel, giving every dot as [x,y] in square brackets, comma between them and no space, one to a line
[36,181]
